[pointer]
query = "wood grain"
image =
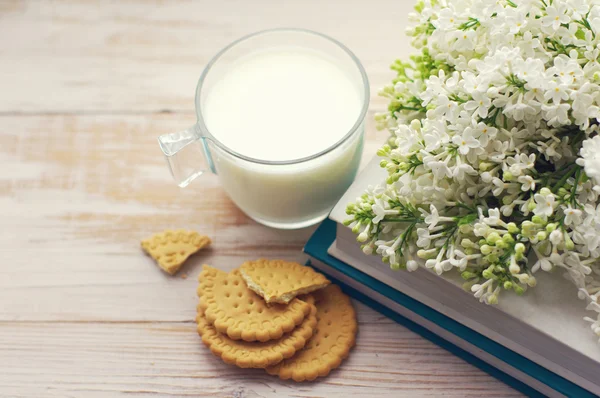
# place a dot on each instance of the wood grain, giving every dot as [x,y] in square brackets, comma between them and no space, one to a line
[147,56]
[168,359]
[86,88]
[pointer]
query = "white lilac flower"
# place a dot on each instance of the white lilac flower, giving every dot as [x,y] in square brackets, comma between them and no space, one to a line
[480,103]
[556,237]
[556,90]
[465,40]
[572,216]
[544,204]
[590,157]
[527,183]
[465,142]
[494,153]
[555,16]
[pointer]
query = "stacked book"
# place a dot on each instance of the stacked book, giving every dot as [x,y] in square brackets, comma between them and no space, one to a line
[537,344]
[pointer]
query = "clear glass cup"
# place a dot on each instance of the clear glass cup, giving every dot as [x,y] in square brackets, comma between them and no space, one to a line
[288,194]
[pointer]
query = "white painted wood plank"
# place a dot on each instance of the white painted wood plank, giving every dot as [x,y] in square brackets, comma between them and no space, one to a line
[168,359]
[135,56]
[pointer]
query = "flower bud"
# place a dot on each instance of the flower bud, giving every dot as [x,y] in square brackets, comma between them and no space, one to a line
[562,192]
[527,228]
[537,220]
[519,248]
[514,269]
[508,176]
[486,177]
[532,281]
[412,265]
[465,242]
[508,285]
[486,249]
[519,256]
[404,166]
[384,150]
[465,228]
[493,237]
[507,238]
[545,191]
[512,228]
[363,236]
[569,245]
[556,237]
[395,266]
[541,235]
[518,289]
[550,227]
[501,244]
[484,166]
[468,275]
[492,258]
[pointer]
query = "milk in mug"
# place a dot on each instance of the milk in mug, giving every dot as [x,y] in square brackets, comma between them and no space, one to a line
[281,124]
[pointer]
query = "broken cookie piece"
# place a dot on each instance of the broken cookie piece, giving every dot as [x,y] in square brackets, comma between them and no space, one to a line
[279,281]
[170,249]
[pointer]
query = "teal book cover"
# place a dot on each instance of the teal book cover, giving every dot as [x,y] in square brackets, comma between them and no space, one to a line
[317,248]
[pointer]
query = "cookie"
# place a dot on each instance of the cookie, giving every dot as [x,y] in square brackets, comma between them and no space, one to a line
[256,354]
[240,313]
[331,342]
[170,249]
[279,281]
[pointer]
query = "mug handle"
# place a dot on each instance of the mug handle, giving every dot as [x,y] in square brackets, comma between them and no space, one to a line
[187,155]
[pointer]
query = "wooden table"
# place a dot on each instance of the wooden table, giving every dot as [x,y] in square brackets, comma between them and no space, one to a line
[85,88]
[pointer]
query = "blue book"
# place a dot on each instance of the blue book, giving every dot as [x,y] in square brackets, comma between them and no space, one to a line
[506,365]
[538,343]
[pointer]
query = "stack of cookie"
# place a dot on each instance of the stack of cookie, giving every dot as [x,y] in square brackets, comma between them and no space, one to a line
[280,316]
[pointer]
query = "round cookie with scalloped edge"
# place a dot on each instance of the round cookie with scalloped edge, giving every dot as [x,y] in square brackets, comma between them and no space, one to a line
[240,313]
[279,281]
[331,343]
[256,354]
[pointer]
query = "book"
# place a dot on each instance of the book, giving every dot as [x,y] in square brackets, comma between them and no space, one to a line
[537,343]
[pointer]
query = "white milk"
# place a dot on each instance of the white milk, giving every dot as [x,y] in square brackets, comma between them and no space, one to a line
[281,105]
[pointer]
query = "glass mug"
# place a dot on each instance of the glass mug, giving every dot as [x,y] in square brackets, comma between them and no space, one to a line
[284,194]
